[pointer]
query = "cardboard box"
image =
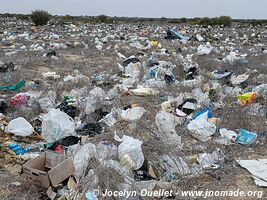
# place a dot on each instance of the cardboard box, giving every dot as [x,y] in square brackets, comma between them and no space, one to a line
[48,169]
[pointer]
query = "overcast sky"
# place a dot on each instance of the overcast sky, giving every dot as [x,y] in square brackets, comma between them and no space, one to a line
[142,8]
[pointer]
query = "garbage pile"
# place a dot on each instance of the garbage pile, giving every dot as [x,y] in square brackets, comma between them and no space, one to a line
[128,107]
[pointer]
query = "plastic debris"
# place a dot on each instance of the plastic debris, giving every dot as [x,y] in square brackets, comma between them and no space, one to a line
[57,125]
[211,161]
[204,49]
[130,152]
[18,149]
[172,34]
[20,127]
[133,114]
[201,128]
[258,169]
[246,137]
[247,98]
[14,87]
[19,100]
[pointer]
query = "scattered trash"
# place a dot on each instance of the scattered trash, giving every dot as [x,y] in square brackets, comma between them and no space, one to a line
[16,183]
[68,107]
[48,103]
[90,129]
[247,98]
[201,128]
[7,67]
[3,106]
[211,161]
[133,114]
[246,137]
[19,100]
[233,59]
[18,149]
[20,126]
[50,75]
[258,169]
[13,87]
[130,152]
[51,53]
[48,169]
[57,125]
[181,96]
[226,137]
[166,123]
[144,91]
[217,75]
[237,80]
[204,49]
[171,34]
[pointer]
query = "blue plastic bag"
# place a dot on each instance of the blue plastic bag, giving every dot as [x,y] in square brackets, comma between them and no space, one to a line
[18,149]
[246,137]
[210,115]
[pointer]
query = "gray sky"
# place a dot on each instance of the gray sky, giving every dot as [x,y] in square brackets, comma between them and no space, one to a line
[142,8]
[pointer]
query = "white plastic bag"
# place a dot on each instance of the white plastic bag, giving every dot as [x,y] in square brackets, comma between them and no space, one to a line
[20,127]
[48,103]
[133,114]
[130,150]
[82,157]
[90,105]
[201,128]
[166,122]
[57,125]
[144,91]
[204,49]
[97,92]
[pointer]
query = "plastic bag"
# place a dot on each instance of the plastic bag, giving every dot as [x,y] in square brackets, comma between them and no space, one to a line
[247,98]
[130,151]
[166,122]
[82,157]
[227,137]
[97,92]
[144,91]
[48,103]
[107,150]
[204,49]
[201,128]
[20,127]
[19,100]
[212,160]
[14,87]
[133,114]
[57,125]
[246,137]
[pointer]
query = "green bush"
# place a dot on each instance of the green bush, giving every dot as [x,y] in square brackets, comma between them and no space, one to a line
[7,15]
[40,17]
[183,20]
[102,19]
[23,17]
[216,21]
[258,22]
[68,18]
[224,20]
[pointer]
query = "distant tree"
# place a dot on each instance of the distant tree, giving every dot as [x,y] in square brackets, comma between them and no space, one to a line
[23,17]
[102,19]
[40,17]
[183,20]
[224,20]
